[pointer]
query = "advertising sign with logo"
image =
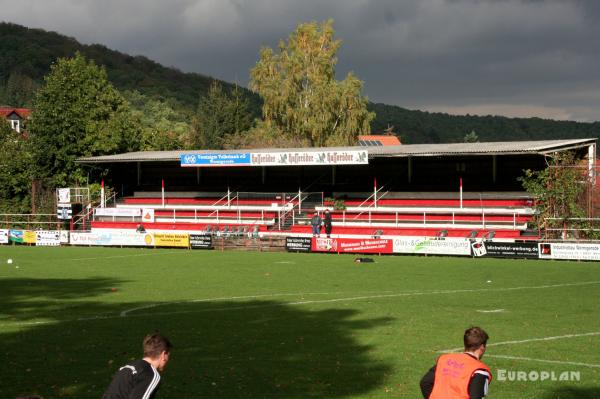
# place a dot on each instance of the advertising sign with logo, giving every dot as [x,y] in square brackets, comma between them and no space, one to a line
[112,238]
[201,241]
[118,212]
[505,249]
[298,244]
[3,236]
[64,212]
[15,236]
[64,237]
[148,215]
[47,238]
[424,245]
[352,245]
[569,251]
[290,158]
[64,195]
[29,237]
[172,240]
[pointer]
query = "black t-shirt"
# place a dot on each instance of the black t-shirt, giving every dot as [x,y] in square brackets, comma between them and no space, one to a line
[136,380]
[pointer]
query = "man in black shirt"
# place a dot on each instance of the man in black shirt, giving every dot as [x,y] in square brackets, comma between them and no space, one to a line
[140,379]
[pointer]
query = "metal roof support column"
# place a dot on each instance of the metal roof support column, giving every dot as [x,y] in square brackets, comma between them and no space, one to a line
[410,169]
[139,173]
[333,170]
[264,174]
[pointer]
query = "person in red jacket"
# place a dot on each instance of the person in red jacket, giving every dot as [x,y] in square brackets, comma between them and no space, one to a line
[460,375]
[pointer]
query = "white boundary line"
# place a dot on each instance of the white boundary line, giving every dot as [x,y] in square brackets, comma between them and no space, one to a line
[544,361]
[524,341]
[125,313]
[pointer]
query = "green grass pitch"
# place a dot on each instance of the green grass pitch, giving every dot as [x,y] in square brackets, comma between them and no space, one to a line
[280,325]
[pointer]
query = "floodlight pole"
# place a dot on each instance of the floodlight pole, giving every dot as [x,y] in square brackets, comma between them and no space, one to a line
[461,193]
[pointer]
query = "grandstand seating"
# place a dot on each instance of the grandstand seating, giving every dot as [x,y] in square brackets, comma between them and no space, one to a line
[490,217]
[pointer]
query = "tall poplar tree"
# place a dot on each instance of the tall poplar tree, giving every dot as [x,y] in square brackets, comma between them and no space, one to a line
[302,98]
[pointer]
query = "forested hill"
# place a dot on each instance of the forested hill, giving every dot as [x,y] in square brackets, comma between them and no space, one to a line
[426,127]
[26,55]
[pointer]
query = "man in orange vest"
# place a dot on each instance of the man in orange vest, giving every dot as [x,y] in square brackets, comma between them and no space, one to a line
[460,375]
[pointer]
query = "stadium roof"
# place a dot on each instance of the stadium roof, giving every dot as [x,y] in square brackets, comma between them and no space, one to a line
[540,147]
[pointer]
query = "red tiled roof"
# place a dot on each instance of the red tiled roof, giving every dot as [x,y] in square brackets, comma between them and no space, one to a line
[24,113]
[383,139]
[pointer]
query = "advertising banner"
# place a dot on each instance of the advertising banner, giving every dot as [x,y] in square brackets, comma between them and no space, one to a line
[64,237]
[119,212]
[15,236]
[505,249]
[64,212]
[298,244]
[148,215]
[29,237]
[569,251]
[64,195]
[172,240]
[201,241]
[424,245]
[116,238]
[47,238]
[352,245]
[289,158]
[3,236]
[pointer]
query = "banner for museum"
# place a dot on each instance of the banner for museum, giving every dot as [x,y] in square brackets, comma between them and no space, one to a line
[288,158]
[429,246]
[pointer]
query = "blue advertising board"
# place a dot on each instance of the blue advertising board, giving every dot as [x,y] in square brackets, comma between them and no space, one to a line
[237,159]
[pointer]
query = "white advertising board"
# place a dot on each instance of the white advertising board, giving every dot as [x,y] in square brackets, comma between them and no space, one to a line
[290,158]
[148,215]
[569,251]
[121,212]
[47,238]
[425,245]
[126,238]
[64,237]
[3,236]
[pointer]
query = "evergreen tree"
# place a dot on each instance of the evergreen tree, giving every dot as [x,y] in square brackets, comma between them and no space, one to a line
[471,137]
[219,115]
[77,112]
[301,97]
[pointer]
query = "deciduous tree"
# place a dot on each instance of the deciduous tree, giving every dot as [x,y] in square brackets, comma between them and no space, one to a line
[302,98]
[77,112]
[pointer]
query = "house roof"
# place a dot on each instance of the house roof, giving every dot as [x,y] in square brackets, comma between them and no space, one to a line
[539,147]
[23,113]
[378,140]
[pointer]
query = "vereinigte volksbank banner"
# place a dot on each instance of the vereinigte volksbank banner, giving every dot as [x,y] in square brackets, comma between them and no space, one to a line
[290,158]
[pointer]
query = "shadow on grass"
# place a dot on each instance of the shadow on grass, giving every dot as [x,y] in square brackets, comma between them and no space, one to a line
[223,349]
[574,393]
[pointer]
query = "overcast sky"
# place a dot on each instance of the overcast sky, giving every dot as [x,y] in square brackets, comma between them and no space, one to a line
[502,57]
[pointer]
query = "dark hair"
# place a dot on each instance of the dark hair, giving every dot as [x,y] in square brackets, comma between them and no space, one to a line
[474,338]
[155,344]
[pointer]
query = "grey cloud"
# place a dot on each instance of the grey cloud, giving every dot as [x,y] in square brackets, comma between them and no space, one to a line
[436,54]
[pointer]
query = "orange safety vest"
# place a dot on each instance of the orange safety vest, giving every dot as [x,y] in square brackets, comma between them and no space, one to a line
[453,373]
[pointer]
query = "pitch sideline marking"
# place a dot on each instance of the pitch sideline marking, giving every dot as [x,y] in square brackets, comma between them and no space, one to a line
[124,256]
[414,293]
[545,361]
[524,341]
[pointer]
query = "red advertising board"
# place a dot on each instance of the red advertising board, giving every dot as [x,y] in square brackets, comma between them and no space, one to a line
[353,245]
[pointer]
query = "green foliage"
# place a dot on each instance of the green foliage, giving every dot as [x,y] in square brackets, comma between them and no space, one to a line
[78,113]
[301,97]
[163,128]
[557,191]
[338,203]
[220,115]
[471,137]
[429,127]
[15,171]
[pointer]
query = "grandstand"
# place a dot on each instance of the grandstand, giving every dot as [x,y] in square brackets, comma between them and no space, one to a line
[274,191]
